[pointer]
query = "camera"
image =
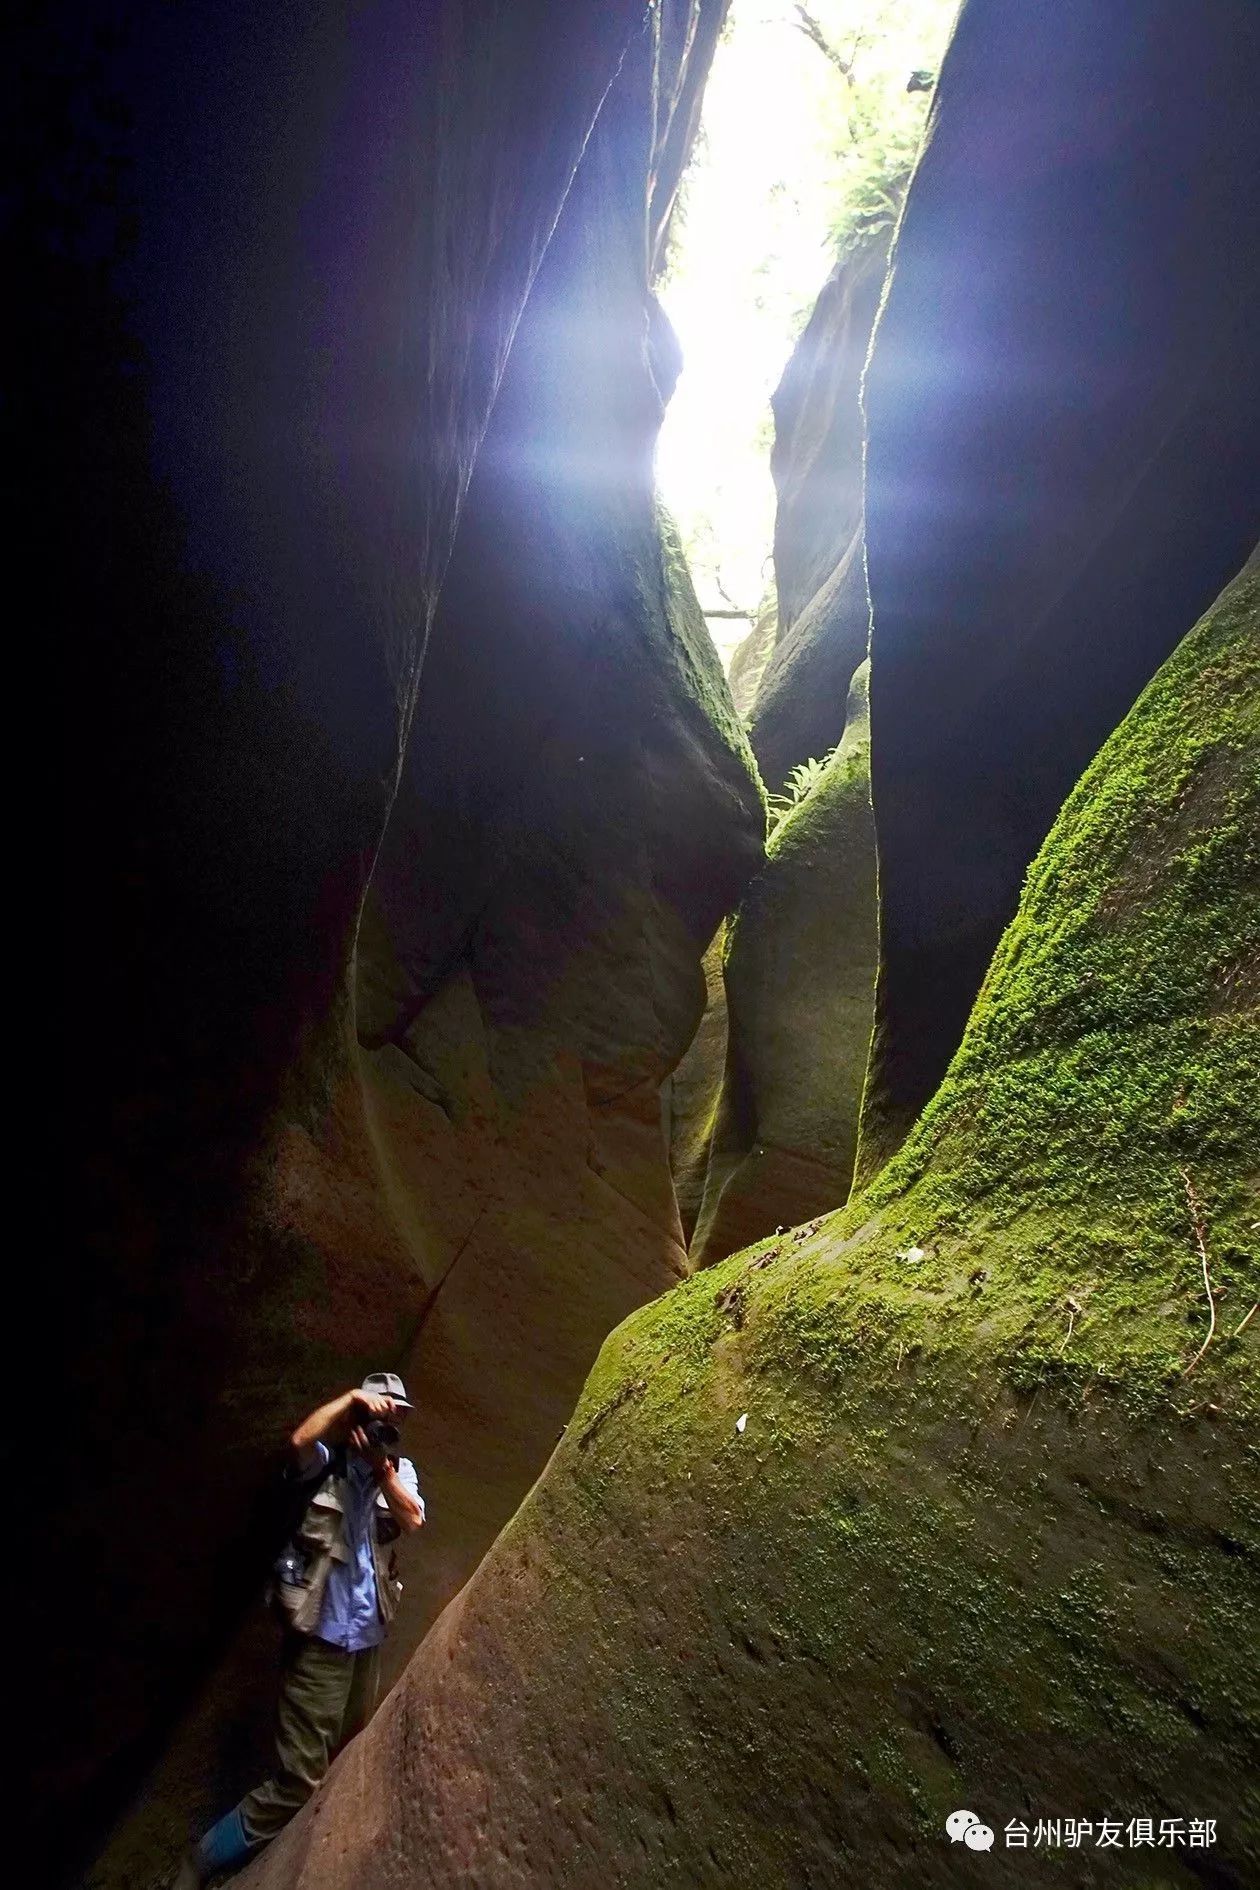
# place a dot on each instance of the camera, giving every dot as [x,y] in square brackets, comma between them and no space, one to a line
[382,1435]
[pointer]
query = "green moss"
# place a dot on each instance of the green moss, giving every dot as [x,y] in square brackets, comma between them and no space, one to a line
[983,1540]
[799,968]
[1112,1064]
[674,604]
[1138,917]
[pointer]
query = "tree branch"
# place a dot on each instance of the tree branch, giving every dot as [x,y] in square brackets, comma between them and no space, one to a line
[807,24]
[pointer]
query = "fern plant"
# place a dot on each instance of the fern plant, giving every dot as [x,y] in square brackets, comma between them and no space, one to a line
[881,99]
[803,779]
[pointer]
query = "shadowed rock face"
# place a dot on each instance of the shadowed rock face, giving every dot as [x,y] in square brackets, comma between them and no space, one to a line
[695,1091]
[525,984]
[817,456]
[270,323]
[772,1086]
[799,984]
[986,1537]
[824,615]
[1063,463]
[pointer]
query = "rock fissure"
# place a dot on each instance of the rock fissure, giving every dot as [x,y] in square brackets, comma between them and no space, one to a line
[795,1133]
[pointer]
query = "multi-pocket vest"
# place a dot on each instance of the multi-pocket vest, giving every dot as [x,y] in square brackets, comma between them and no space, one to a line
[322,1538]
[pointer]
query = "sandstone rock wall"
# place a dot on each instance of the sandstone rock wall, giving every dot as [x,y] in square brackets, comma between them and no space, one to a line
[799,983]
[1063,466]
[274,269]
[940,1502]
[824,617]
[816,460]
[774,1081]
[577,813]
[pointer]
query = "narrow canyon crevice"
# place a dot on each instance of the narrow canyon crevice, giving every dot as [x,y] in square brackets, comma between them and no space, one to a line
[755,1111]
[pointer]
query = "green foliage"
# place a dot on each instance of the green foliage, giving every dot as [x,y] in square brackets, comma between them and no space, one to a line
[803,779]
[882,57]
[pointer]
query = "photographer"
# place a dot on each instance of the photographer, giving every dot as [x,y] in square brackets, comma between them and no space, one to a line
[336,1587]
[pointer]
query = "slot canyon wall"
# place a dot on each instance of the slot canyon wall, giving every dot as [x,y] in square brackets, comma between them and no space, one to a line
[768,1099]
[988,1533]
[823,615]
[1105,444]
[403,793]
[403,797]
[982,1540]
[1063,467]
[526,981]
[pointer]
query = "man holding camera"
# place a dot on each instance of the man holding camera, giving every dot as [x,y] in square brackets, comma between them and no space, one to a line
[336,1586]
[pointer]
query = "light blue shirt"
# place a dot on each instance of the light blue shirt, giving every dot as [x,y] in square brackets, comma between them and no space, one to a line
[350,1617]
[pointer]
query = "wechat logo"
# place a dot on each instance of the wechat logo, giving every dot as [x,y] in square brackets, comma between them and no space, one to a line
[965,1827]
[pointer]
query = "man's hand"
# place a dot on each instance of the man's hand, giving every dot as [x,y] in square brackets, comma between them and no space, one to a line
[334,1422]
[405,1508]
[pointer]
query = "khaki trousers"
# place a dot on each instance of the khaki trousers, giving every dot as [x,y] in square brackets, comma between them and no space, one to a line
[326,1697]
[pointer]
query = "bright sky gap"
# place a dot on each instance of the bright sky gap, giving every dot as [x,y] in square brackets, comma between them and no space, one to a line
[771,185]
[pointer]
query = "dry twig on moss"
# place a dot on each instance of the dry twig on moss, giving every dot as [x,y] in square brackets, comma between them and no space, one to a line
[1244,1322]
[1071,1307]
[1200,1237]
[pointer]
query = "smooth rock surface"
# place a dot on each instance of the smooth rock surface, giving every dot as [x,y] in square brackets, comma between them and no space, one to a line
[987,1535]
[1063,465]
[276,269]
[824,613]
[799,983]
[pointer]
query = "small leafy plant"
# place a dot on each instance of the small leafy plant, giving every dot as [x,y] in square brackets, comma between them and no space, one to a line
[803,779]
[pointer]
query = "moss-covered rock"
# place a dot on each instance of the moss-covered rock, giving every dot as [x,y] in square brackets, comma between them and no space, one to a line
[989,1534]
[799,988]
[695,1092]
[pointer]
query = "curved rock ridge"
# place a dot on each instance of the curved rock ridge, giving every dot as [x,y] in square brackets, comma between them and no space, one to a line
[1062,460]
[695,1091]
[790,679]
[945,1500]
[798,715]
[799,975]
[824,613]
[816,459]
[399,904]
[572,824]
